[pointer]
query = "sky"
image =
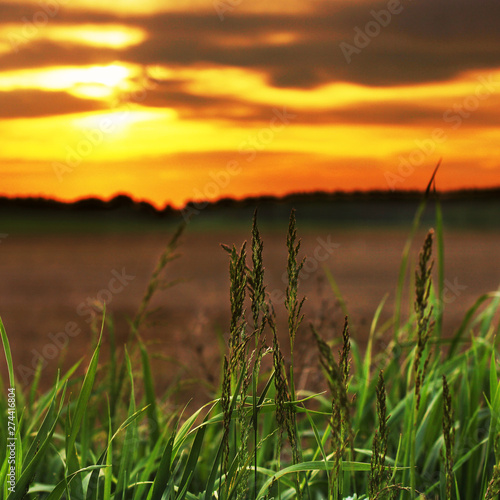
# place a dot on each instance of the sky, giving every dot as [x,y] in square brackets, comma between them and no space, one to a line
[170,101]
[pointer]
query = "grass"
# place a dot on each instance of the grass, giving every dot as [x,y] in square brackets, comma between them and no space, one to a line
[419,420]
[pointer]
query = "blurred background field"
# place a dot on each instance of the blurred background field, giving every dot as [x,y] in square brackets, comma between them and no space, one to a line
[54,263]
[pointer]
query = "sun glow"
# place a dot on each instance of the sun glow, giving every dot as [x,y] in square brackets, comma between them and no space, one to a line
[65,77]
[103,35]
[142,105]
[114,36]
[155,6]
[88,82]
[118,121]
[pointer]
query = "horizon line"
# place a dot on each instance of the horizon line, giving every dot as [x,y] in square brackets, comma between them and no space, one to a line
[248,198]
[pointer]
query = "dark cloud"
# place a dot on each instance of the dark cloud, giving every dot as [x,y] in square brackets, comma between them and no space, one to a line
[175,94]
[427,41]
[191,106]
[36,103]
[398,114]
[45,53]
[32,13]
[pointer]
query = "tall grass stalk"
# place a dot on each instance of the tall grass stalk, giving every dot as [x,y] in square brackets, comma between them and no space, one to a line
[292,303]
[294,307]
[337,376]
[449,439]
[260,312]
[378,474]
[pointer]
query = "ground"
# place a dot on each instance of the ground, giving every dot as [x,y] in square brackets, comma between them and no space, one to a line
[48,280]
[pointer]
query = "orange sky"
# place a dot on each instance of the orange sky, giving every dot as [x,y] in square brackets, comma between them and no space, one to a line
[170,101]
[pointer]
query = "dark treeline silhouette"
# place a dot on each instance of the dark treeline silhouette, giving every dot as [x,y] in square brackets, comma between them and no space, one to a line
[123,202]
[471,207]
[119,203]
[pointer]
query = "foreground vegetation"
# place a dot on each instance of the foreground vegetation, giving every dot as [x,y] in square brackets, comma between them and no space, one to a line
[419,420]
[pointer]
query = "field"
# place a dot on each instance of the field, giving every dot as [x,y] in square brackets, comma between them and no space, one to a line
[257,439]
[46,277]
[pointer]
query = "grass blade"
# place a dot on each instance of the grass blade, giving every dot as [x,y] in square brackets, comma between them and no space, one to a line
[8,354]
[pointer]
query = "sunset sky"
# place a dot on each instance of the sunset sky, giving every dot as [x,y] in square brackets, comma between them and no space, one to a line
[170,101]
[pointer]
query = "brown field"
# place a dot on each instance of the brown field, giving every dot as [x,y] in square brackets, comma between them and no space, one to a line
[46,279]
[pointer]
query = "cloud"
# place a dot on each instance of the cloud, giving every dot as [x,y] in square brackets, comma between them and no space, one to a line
[427,41]
[398,110]
[36,103]
[45,54]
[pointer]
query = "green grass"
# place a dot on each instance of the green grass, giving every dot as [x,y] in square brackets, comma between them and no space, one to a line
[421,419]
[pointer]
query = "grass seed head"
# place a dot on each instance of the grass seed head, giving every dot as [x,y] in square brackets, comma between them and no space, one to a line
[378,477]
[340,419]
[285,412]
[449,438]
[225,403]
[494,485]
[345,361]
[257,289]
[237,292]
[294,267]
[423,281]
